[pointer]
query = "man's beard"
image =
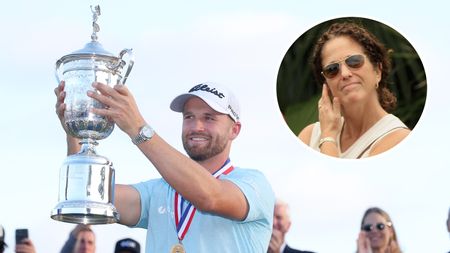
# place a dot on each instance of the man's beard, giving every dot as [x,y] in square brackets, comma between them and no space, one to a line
[215,146]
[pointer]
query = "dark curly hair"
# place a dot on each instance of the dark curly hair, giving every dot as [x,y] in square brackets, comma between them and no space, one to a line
[375,51]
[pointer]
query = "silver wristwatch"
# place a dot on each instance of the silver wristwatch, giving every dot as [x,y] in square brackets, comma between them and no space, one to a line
[145,133]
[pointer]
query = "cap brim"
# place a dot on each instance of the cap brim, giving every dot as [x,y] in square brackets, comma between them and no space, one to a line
[126,249]
[178,103]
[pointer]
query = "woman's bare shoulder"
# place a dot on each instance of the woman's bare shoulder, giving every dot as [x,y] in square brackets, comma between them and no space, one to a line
[389,141]
[305,134]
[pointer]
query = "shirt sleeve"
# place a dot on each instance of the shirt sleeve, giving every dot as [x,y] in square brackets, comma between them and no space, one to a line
[257,191]
[145,192]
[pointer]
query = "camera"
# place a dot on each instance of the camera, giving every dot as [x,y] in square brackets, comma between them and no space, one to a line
[21,234]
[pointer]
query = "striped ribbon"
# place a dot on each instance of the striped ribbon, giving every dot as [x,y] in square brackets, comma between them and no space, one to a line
[184,218]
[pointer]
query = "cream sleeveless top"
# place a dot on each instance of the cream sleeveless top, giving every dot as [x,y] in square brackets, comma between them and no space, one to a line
[362,147]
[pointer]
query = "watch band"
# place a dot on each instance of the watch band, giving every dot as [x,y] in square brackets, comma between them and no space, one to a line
[146,132]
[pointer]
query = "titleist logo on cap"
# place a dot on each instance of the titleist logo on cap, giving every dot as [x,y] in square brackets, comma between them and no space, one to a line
[205,87]
[233,112]
[128,244]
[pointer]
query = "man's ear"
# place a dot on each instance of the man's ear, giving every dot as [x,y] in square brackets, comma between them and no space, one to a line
[235,130]
[288,226]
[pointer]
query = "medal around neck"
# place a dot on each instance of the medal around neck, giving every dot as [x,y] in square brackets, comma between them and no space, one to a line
[86,181]
[178,248]
[184,218]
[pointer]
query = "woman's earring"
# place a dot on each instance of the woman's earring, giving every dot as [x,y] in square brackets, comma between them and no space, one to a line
[376,86]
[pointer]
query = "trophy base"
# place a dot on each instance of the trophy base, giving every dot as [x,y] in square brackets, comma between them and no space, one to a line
[85,212]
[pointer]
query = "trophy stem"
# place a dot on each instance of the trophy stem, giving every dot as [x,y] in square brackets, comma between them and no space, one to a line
[88,146]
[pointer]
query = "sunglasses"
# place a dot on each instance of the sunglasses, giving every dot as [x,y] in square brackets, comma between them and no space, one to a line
[352,61]
[379,226]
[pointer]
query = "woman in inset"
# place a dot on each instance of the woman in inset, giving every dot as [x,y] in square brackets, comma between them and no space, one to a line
[377,233]
[353,111]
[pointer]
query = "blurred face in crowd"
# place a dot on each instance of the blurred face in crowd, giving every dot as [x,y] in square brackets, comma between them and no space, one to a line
[85,242]
[380,233]
[448,221]
[281,219]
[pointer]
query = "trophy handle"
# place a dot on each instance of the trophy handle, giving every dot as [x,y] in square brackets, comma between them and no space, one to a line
[130,62]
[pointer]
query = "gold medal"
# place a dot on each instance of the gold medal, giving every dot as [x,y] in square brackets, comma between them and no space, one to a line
[178,248]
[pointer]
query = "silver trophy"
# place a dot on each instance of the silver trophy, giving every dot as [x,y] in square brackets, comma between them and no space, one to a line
[86,182]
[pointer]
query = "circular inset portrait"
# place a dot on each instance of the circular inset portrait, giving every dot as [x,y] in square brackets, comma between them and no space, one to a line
[351,88]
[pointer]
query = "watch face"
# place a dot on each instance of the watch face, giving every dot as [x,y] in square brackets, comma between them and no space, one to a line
[147,131]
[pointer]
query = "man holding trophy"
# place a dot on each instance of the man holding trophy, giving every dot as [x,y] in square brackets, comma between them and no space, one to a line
[202,203]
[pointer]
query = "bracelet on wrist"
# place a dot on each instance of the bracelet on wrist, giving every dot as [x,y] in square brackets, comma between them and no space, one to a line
[326,139]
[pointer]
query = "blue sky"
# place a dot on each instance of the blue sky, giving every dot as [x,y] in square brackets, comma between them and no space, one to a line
[178,44]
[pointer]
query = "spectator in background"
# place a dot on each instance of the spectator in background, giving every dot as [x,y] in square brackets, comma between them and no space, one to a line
[377,233]
[2,240]
[25,246]
[448,223]
[281,225]
[81,240]
[127,245]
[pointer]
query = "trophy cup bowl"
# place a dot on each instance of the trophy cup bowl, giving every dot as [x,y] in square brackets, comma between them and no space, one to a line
[86,182]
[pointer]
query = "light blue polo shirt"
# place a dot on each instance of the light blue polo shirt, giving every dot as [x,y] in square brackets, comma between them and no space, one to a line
[209,232]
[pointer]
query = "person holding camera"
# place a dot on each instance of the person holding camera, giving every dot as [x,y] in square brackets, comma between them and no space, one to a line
[23,243]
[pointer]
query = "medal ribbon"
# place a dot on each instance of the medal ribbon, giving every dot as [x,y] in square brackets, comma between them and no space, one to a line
[183,219]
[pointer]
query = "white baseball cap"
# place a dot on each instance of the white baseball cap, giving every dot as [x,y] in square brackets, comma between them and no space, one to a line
[216,96]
